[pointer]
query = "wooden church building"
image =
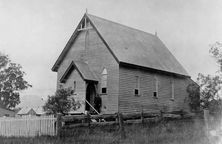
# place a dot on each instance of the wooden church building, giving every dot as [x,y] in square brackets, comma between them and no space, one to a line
[128,68]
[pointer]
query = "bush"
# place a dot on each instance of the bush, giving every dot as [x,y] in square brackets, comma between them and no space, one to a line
[194,97]
[61,102]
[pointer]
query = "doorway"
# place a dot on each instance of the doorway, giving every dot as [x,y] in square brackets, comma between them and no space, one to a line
[90,95]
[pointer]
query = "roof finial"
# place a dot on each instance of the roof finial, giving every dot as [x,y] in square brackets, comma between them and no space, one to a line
[155,33]
[86,11]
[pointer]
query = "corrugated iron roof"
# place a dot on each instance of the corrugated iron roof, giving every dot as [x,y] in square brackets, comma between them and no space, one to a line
[24,110]
[39,110]
[85,71]
[131,46]
[136,47]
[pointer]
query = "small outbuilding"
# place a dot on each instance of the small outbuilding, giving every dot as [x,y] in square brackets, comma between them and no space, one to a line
[26,111]
[6,112]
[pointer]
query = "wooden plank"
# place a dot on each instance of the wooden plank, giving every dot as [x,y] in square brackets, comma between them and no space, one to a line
[93,124]
[84,117]
[59,124]
[121,126]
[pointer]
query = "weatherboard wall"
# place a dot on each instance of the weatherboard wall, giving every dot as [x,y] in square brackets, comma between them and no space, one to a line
[131,103]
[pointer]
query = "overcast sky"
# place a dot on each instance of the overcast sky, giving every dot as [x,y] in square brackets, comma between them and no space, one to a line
[34,32]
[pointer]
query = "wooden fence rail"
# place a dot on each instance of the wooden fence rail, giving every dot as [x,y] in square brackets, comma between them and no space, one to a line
[110,119]
[27,126]
[108,116]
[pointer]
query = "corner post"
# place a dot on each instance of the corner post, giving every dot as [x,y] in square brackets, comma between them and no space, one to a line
[59,124]
[121,126]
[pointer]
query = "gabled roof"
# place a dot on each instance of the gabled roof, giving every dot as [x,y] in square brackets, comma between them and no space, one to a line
[25,110]
[82,68]
[131,46]
[39,110]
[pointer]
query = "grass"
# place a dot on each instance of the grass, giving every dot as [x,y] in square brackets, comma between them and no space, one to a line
[165,132]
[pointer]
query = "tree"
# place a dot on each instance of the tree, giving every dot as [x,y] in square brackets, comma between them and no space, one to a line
[210,86]
[62,102]
[11,82]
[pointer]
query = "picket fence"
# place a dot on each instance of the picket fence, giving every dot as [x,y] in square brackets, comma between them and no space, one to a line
[27,126]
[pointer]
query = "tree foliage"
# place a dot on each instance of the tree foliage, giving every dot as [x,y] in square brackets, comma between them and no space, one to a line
[211,85]
[62,102]
[11,82]
[216,52]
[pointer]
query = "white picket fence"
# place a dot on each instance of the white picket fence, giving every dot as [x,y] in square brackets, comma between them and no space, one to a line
[27,126]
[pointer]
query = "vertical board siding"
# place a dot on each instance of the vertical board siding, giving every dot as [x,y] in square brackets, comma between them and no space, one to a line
[129,103]
[27,126]
[97,56]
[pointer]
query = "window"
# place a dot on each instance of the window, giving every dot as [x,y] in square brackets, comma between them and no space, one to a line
[155,93]
[136,92]
[172,89]
[104,90]
[137,86]
[104,81]
[74,87]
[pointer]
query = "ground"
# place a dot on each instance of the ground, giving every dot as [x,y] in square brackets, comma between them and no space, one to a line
[165,132]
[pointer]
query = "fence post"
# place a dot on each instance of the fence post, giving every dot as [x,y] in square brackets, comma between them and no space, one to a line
[121,127]
[88,119]
[59,124]
[117,118]
[161,115]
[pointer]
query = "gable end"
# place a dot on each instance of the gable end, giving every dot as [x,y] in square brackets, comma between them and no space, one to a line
[72,40]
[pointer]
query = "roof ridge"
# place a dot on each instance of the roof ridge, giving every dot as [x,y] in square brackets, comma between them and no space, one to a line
[122,25]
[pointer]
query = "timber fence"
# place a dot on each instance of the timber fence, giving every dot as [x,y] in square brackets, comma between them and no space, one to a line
[74,121]
[28,126]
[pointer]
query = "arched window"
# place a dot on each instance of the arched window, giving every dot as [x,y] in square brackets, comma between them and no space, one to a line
[104,81]
[74,87]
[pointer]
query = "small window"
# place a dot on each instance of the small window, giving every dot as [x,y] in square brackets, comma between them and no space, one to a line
[104,81]
[136,92]
[104,90]
[155,93]
[137,86]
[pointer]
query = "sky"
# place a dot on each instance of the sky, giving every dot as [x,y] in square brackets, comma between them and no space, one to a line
[34,32]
